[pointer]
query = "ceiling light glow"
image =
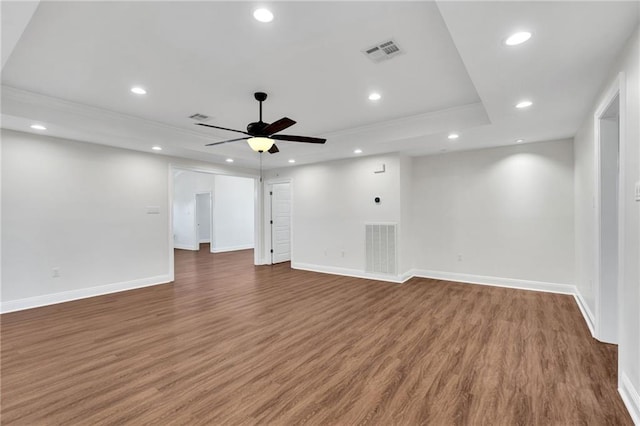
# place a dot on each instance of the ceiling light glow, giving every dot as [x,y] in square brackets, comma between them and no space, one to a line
[229,160]
[263,15]
[292,161]
[375,96]
[38,127]
[156,148]
[260,144]
[524,104]
[517,38]
[138,90]
[357,151]
[519,140]
[453,136]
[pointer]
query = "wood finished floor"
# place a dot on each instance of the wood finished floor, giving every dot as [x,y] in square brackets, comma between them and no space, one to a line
[230,343]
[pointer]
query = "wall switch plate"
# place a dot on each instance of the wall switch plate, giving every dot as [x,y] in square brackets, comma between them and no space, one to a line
[638,191]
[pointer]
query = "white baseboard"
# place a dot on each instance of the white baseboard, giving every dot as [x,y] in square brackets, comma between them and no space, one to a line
[185,247]
[630,397]
[333,270]
[586,312]
[232,248]
[81,293]
[496,281]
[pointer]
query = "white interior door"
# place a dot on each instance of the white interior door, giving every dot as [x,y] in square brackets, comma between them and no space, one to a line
[203,218]
[280,222]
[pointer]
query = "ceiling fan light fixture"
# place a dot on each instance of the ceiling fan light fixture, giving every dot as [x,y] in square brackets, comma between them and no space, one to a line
[260,144]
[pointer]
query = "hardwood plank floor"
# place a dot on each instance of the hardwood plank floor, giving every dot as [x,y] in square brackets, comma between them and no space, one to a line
[230,343]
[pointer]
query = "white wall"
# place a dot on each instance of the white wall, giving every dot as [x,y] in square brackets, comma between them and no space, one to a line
[629,332]
[407,251]
[80,208]
[502,212]
[507,211]
[332,201]
[233,213]
[233,210]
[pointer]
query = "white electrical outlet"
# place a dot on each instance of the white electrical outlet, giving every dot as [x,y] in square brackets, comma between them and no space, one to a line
[459,258]
[55,272]
[638,191]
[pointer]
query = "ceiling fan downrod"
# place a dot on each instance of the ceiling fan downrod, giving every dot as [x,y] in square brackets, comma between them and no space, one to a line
[260,97]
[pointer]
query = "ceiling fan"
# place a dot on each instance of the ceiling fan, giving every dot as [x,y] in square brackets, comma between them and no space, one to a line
[261,135]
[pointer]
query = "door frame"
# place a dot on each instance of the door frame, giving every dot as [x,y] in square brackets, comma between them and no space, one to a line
[267,258]
[616,90]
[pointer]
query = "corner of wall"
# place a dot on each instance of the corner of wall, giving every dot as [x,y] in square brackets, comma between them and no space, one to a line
[631,398]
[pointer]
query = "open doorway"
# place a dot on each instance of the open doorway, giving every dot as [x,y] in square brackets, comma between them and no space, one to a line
[212,209]
[608,234]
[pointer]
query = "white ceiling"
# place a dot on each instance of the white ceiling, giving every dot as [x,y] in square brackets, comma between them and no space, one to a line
[75,62]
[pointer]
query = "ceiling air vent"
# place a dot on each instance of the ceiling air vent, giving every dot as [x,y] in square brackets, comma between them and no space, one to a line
[199,117]
[383,51]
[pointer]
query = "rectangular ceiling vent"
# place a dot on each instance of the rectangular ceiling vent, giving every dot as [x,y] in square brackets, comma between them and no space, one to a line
[383,51]
[199,117]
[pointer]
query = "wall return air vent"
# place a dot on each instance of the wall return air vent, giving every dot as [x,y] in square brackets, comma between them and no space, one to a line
[383,51]
[380,248]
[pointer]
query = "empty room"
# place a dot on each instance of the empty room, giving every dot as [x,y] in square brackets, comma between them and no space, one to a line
[331,213]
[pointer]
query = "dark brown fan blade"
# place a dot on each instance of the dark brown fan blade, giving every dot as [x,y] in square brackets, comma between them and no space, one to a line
[273,149]
[222,128]
[292,138]
[278,126]
[230,140]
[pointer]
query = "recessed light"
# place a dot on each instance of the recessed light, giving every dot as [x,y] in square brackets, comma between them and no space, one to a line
[263,15]
[229,160]
[517,38]
[292,161]
[38,127]
[156,148]
[357,151]
[524,104]
[519,140]
[453,136]
[375,96]
[138,90]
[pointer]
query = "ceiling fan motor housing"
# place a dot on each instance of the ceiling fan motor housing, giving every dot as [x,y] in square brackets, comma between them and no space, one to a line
[256,128]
